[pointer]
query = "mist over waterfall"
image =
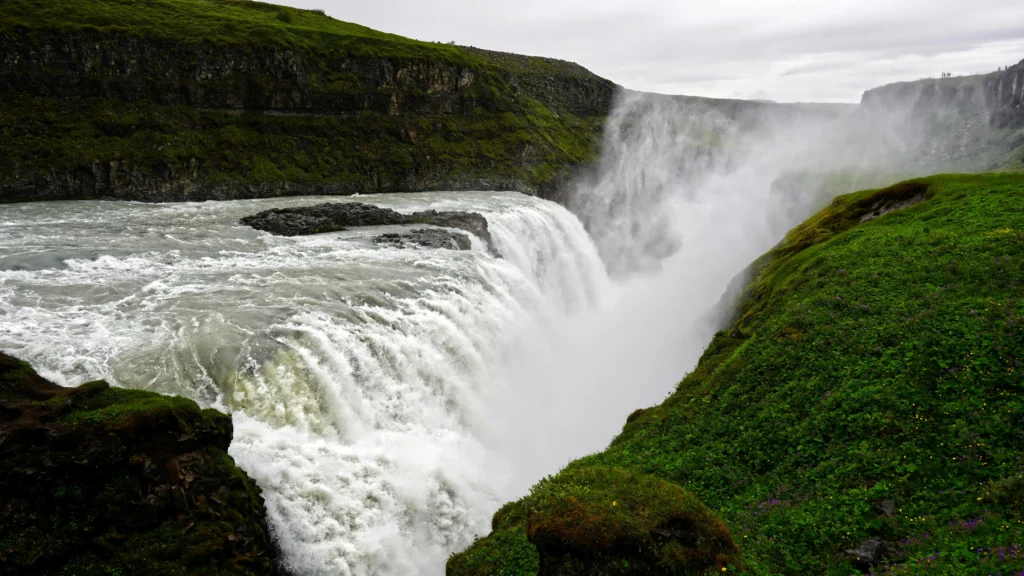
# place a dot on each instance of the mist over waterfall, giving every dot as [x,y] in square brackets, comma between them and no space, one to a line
[688,192]
[388,400]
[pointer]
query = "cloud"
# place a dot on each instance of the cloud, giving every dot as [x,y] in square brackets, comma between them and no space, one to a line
[791,50]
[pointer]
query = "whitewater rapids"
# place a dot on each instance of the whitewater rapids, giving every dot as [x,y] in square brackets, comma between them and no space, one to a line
[389,400]
[358,375]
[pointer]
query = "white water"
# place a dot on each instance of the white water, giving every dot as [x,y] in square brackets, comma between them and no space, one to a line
[357,374]
[388,401]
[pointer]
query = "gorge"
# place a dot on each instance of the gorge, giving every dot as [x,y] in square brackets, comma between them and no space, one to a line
[389,395]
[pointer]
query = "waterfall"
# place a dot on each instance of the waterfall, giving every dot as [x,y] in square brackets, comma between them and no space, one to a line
[386,400]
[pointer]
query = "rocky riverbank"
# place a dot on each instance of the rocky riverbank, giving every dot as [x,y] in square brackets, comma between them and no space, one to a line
[100,480]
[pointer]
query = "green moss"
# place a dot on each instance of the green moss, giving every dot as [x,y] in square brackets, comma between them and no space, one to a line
[506,552]
[137,483]
[870,361]
[219,22]
[507,134]
[611,520]
[114,406]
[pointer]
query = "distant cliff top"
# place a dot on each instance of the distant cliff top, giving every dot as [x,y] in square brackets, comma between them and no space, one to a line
[148,101]
[1010,76]
[238,22]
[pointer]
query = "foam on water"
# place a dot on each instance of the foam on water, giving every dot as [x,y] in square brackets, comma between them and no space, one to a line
[356,373]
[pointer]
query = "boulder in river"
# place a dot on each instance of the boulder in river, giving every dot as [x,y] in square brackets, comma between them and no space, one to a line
[427,238]
[338,216]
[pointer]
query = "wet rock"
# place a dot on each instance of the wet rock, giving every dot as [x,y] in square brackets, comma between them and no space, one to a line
[428,238]
[869,553]
[322,218]
[335,217]
[99,480]
[471,222]
[884,206]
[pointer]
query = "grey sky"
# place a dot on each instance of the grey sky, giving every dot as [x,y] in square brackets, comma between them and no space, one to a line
[785,50]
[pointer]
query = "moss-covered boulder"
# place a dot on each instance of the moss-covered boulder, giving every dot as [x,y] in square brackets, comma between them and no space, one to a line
[506,552]
[608,521]
[99,480]
[602,521]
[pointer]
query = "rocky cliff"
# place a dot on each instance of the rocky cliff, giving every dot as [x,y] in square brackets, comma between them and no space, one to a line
[999,94]
[977,121]
[97,480]
[217,99]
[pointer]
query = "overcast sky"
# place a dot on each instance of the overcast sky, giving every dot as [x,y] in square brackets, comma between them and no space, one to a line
[784,50]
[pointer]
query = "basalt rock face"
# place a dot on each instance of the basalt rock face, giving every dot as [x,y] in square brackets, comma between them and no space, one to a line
[1000,94]
[335,217]
[268,77]
[975,122]
[97,480]
[118,113]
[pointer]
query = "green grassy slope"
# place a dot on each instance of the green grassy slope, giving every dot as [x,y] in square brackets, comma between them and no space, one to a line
[239,22]
[175,99]
[870,362]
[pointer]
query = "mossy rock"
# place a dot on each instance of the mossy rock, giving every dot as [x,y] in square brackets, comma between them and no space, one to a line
[504,553]
[597,520]
[99,480]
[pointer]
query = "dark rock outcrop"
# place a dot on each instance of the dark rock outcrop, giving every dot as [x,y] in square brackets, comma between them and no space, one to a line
[335,217]
[427,238]
[98,480]
[322,218]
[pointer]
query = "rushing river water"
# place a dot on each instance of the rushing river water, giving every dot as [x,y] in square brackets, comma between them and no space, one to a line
[388,400]
[357,374]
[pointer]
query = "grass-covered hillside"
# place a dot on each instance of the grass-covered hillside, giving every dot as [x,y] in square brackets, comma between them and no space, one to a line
[175,99]
[870,388]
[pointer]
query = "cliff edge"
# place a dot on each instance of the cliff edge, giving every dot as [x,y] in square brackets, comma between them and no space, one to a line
[100,480]
[171,100]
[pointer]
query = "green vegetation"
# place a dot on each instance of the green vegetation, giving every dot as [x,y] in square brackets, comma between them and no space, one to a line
[97,480]
[871,387]
[217,21]
[175,99]
[259,148]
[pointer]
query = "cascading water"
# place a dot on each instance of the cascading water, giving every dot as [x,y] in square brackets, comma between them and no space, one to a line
[387,400]
[355,373]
